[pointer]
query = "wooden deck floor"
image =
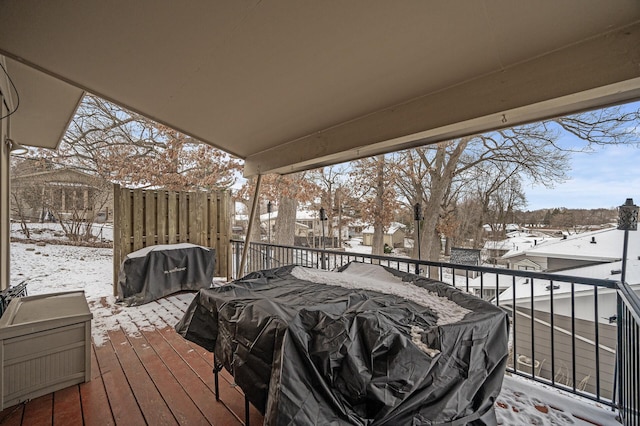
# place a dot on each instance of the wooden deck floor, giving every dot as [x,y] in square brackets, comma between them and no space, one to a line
[142,375]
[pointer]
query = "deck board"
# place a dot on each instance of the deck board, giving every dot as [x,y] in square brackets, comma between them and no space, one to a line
[39,412]
[122,401]
[93,397]
[12,416]
[193,384]
[67,408]
[144,373]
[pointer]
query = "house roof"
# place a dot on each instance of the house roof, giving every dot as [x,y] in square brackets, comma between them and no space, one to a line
[289,86]
[605,271]
[518,243]
[608,244]
[393,228]
[54,174]
[599,246]
[300,215]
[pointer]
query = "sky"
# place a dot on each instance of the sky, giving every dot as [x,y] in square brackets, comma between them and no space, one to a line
[602,179]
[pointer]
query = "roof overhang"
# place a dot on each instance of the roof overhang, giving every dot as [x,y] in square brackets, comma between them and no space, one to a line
[289,86]
[45,105]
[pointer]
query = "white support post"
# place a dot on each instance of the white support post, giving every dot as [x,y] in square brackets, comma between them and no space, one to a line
[247,240]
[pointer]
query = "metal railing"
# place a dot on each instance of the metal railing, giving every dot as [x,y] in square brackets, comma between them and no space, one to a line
[628,355]
[564,329]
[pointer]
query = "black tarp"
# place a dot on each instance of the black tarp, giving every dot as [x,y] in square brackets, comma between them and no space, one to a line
[156,271]
[307,353]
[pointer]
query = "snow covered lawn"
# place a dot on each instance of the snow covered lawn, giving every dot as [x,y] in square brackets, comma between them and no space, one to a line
[53,268]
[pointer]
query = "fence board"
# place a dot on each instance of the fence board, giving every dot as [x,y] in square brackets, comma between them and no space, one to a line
[173,217]
[224,231]
[138,219]
[143,218]
[203,218]
[194,225]
[162,215]
[214,221]
[150,227]
[183,217]
[117,248]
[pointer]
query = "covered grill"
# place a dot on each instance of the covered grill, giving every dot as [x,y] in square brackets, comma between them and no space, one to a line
[157,271]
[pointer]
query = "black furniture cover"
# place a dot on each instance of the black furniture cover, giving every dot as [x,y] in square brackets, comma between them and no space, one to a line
[308,353]
[157,271]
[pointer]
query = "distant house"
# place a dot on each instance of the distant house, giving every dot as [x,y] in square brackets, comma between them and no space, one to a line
[355,229]
[516,242]
[61,194]
[572,251]
[595,255]
[509,227]
[308,228]
[393,237]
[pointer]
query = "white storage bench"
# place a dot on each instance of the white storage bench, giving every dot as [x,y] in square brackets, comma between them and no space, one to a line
[45,345]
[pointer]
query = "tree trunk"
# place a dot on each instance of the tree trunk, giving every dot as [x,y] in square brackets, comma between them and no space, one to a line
[285,226]
[442,175]
[377,243]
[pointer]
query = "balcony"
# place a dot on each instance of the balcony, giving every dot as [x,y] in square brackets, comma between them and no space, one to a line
[575,334]
[144,373]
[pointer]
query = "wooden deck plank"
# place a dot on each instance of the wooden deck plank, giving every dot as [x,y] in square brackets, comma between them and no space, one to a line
[154,408]
[12,416]
[39,412]
[143,374]
[93,396]
[124,406]
[66,407]
[201,362]
[180,404]
[194,386]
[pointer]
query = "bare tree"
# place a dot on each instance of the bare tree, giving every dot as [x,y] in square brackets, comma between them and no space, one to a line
[124,147]
[287,191]
[334,191]
[433,175]
[373,181]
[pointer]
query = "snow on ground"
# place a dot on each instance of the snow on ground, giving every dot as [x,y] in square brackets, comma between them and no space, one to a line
[54,268]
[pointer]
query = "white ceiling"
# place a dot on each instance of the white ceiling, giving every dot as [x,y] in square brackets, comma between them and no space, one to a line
[288,85]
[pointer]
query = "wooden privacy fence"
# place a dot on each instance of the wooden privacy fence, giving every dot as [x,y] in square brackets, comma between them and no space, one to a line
[148,217]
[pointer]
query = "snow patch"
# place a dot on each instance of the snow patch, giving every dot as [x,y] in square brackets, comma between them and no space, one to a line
[364,276]
[416,338]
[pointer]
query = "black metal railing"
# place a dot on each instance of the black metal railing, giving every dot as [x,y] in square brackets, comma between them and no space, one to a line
[564,329]
[628,355]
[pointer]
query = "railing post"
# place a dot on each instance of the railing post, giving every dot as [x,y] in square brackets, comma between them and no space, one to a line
[417,215]
[617,377]
[237,258]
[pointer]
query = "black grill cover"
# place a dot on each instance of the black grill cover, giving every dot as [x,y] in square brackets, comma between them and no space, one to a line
[156,271]
[313,354]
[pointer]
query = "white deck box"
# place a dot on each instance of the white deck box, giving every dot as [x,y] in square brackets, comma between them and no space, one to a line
[45,345]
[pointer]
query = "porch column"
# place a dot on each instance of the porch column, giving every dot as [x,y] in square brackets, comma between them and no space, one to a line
[5,200]
[247,240]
